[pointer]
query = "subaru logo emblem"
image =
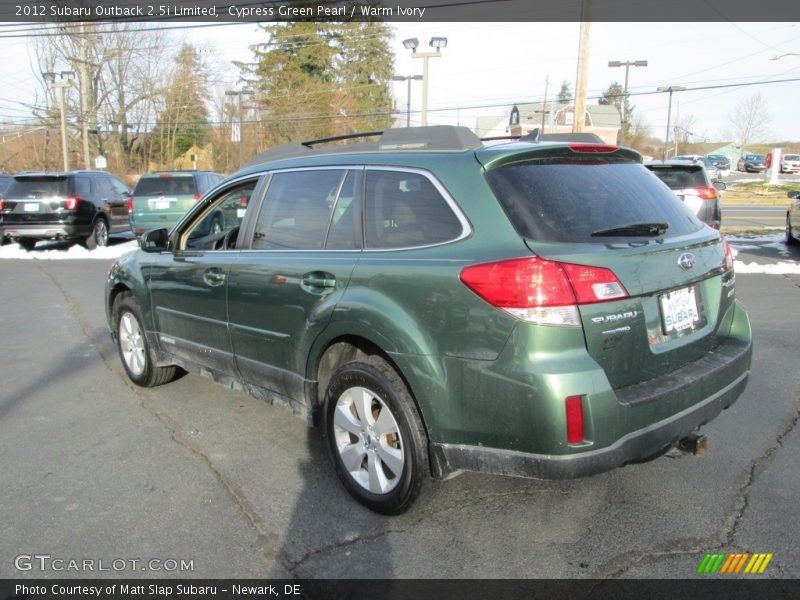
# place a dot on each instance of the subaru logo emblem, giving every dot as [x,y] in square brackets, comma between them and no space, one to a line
[686,261]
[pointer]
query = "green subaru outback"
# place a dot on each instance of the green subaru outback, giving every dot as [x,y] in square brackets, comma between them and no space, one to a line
[437,304]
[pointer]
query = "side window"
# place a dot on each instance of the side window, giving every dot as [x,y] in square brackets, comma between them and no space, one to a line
[345,230]
[404,209]
[296,211]
[217,227]
[120,189]
[103,188]
[202,183]
[83,187]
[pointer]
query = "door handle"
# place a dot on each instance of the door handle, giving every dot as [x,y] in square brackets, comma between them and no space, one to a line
[214,277]
[319,280]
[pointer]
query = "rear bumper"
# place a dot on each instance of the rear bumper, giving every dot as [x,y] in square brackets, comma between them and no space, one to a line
[636,446]
[46,230]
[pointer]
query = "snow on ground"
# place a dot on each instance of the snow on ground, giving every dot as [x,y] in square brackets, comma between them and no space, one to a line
[781,268]
[49,251]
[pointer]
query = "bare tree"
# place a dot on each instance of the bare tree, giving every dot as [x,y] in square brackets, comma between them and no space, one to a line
[749,121]
[124,74]
[640,133]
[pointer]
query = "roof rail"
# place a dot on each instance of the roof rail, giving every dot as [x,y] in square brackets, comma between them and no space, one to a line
[437,138]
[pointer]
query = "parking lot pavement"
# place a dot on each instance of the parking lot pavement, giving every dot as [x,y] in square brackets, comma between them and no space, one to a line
[90,470]
[192,470]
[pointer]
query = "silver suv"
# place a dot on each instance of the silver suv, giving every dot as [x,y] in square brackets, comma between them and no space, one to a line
[690,181]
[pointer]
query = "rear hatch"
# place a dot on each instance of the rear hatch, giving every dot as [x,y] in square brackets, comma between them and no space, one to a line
[161,199]
[688,182]
[32,199]
[651,280]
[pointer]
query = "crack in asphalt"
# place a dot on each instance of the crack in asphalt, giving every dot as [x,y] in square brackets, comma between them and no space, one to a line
[725,538]
[269,543]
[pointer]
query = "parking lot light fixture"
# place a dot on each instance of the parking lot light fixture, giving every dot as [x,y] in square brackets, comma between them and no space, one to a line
[409,79]
[436,42]
[670,89]
[627,64]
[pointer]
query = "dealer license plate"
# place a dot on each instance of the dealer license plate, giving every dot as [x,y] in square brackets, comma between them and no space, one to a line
[679,310]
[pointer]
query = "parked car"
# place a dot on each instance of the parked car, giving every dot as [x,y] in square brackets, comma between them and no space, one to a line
[790,163]
[690,182]
[75,205]
[720,161]
[528,308]
[712,170]
[752,163]
[793,220]
[160,199]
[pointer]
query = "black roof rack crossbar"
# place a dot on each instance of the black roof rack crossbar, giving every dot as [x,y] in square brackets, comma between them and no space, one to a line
[338,138]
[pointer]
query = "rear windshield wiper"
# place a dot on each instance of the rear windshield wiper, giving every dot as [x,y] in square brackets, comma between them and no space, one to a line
[633,229]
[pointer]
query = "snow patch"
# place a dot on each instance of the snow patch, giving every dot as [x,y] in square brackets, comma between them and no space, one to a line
[781,268]
[74,252]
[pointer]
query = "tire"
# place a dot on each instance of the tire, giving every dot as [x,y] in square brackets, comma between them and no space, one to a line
[138,358]
[790,240]
[99,235]
[375,436]
[27,243]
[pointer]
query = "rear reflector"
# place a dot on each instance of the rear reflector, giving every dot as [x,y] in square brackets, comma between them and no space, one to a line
[574,410]
[542,291]
[726,248]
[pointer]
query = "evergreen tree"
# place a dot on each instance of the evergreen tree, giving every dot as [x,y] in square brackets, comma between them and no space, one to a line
[615,95]
[316,79]
[565,93]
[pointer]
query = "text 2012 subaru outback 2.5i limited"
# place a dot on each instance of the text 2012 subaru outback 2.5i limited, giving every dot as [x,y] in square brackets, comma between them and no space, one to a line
[525,308]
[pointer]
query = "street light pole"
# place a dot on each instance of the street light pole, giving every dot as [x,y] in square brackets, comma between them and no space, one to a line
[627,64]
[65,80]
[670,89]
[239,94]
[408,78]
[437,43]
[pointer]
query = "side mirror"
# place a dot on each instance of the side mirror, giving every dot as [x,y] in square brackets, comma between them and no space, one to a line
[793,195]
[720,185]
[155,240]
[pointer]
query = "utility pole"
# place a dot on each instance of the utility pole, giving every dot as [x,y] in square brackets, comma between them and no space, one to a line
[583,59]
[544,103]
[65,80]
[670,89]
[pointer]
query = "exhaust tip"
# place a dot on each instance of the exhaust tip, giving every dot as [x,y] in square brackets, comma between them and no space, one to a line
[694,443]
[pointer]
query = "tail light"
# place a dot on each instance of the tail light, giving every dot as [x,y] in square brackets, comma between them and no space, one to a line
[574,413]
[197,197]
[706,192]
[542,291]
[72,202]
[726,248]
[130,205]
[2,204]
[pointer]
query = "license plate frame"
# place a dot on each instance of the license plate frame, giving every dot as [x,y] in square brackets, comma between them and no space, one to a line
[680,310]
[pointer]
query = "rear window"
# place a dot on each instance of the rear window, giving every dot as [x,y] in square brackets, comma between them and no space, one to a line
[168,185]
[38,187]
[679,178]
[791,157]
[558,201]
